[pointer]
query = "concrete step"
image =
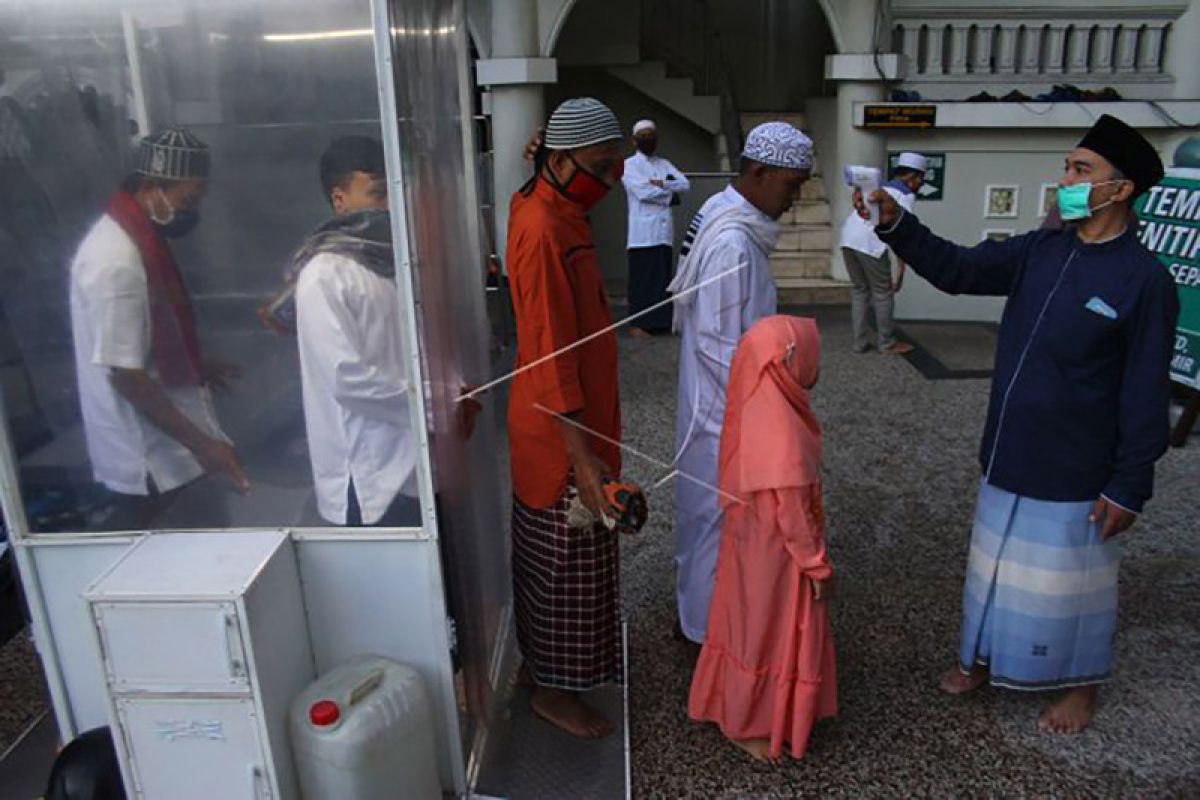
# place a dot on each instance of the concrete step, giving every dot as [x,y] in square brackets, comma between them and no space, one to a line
[813,189]
[815,238]
[810,212]
[678,94]
[812,292]
[789,266]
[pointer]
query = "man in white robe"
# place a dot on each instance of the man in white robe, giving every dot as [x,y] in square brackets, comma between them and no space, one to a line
[722,288]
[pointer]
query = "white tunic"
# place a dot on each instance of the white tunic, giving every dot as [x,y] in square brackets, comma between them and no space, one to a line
[650,223]
[110,325]
[355,387]
[711,328]
[859,234]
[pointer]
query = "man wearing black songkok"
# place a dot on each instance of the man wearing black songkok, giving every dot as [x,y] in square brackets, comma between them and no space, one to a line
[1077,419]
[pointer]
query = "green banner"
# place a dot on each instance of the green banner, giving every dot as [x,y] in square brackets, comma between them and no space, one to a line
[1169,226]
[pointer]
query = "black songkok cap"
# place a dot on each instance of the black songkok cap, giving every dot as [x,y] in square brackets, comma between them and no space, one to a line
[1127,150]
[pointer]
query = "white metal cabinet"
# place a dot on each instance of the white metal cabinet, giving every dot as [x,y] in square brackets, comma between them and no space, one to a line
[205,643]
[219,740]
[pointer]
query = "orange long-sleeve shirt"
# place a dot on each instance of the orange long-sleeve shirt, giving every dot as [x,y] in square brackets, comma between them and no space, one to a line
[558,298]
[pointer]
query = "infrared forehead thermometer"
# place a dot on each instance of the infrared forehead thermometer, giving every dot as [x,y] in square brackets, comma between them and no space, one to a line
[867,180]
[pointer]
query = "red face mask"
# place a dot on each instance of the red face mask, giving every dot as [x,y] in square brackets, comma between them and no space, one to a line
[586,189]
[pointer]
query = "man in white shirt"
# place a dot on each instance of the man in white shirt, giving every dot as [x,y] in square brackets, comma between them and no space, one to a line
[354,374]
[723,287]
[870,267]
[652,185]
[143,384]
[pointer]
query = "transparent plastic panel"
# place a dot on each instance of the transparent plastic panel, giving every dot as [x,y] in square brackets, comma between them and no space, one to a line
[118,414]
[436,103]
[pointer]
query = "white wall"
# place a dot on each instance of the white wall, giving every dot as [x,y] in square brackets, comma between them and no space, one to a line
[911,7]
[975,159]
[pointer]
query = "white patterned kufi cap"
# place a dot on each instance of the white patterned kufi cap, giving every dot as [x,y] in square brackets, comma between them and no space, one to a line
[581,122]
[778,144]
[174,154]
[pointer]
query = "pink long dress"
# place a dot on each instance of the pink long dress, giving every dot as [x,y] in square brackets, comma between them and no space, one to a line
[768,669]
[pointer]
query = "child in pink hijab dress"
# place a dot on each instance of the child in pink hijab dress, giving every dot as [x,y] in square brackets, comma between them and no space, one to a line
[767,672]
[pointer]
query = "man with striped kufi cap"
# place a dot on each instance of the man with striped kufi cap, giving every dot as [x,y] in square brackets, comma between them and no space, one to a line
[144,385]
[722,287]
[564,420]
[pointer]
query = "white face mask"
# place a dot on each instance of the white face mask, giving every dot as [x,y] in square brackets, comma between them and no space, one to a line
[170,216]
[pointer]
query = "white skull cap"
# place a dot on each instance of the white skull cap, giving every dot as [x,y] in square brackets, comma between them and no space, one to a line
[913,161]
[778,144]
[644,125]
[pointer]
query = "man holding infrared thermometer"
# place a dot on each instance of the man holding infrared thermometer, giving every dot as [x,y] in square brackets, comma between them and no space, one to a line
[1077,419]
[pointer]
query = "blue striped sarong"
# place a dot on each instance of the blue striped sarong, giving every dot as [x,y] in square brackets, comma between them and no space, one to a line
[1040,599]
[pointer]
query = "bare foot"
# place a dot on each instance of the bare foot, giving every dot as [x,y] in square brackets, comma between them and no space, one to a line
[759,749]
[1070,714]
[957,682]
[638,333]
[899,349]
[566,711]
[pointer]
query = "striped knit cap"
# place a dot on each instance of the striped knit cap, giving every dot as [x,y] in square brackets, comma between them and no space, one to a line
[174,154]
[581,122]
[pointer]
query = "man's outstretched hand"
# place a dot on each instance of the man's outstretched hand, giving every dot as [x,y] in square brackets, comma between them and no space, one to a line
[889,209]
[1112,518]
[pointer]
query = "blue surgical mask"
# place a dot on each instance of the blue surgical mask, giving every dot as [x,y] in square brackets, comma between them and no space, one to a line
[1073,200]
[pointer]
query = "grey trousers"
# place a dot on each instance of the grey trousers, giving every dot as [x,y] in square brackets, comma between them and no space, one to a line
[872,281]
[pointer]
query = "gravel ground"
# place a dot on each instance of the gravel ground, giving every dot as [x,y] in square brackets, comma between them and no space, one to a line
[22,692]
[901,478]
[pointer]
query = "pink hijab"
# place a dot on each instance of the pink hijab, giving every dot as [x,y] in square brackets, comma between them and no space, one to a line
[771,438]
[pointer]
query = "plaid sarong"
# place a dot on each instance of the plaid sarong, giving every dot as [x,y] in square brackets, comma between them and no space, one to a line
[566,590]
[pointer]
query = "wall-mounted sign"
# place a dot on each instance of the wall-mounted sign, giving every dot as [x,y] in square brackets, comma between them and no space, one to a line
[935,177]
[1169,226]
[899,116]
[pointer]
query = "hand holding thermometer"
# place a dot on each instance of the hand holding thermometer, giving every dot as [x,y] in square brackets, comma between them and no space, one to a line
[867,180]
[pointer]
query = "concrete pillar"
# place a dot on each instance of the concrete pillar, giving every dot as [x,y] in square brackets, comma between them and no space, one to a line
[1030,46]
[518,106]
[1055,48]
[1006,58]
[1127,50]
[858,81]
[1150,52]
[959,48]
[854,146]
[1078,53]
[1101,57]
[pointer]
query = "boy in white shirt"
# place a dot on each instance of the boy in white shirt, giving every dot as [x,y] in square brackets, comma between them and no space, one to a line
[354,375]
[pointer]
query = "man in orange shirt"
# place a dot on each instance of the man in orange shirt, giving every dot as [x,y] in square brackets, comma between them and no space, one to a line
[564,421]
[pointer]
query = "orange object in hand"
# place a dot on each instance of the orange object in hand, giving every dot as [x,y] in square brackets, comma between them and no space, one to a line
[628,502]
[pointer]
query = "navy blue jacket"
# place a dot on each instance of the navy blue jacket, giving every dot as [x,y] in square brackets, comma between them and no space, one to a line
[1079,402]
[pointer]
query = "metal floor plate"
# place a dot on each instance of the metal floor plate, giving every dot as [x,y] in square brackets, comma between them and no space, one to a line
[531,760]
[545,764]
